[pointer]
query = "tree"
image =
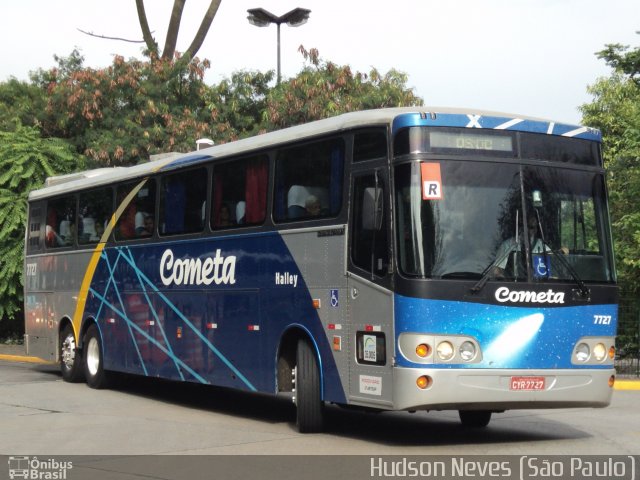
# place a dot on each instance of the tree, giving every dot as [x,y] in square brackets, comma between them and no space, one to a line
[169,49]
[324,89]
[237,104]
[26,160]
[122,114]
[615,110]
[20,104]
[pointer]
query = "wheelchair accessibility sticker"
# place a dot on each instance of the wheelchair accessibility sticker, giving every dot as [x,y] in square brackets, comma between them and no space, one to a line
[333,297]
[541,266]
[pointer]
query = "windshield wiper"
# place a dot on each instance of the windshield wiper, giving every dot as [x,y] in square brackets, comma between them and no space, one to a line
[584,290]
[487,272]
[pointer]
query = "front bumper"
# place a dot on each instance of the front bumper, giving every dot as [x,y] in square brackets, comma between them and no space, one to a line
[487,389]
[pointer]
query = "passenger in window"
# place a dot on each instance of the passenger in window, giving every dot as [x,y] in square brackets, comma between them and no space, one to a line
[144,224]
[224,216]
[99,231]
[312,206]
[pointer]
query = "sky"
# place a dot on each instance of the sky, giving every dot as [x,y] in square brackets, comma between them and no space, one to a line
[529,57]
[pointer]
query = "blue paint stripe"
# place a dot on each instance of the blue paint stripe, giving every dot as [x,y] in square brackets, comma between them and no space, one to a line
[191,326]
[156,317]
[133,339]
[148,337]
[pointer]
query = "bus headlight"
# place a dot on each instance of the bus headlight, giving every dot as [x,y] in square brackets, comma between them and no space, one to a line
[582,352]
[600,352]
[429,348]
[467,351]
[594,351]
[445,350]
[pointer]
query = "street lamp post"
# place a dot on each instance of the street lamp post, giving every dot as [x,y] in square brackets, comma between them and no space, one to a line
[261,18]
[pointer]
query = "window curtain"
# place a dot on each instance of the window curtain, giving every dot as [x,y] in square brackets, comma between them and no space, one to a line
[256,190]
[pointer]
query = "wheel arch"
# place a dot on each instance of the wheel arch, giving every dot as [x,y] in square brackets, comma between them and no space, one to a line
[286,357]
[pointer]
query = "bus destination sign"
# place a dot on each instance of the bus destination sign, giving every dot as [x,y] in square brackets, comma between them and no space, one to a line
[470,141]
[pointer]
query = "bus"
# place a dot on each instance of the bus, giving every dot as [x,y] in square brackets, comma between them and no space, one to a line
[395,259]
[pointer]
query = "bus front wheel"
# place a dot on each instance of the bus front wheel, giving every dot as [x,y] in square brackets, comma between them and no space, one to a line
[70,358]
[475,418]
[310,408]
[94,360]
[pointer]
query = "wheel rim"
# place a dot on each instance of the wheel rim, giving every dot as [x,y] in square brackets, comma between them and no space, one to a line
[93,356]
[69,351]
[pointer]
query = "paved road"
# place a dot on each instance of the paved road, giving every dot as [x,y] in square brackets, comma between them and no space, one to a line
[42,415]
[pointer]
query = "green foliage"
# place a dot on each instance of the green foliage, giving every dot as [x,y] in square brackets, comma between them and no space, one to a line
[615,110]
[122,114]
[20,104]
[26,160]
[622,60]
[324,89]
[237,104]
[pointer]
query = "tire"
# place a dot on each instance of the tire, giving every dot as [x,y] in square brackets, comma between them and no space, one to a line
[475,418]
[70,356]
[310,407]
[93,357]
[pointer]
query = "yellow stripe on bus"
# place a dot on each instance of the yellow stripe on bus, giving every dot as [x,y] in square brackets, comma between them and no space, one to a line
[95,258]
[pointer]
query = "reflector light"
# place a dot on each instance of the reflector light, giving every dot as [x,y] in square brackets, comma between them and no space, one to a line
[423,382]
[612,381]
[423,350]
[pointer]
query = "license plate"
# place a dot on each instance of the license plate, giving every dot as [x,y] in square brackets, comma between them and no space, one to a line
[527,383]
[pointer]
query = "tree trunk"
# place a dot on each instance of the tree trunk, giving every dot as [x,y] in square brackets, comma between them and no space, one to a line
[203,30]
[172,31]
[174,27]
[152,46]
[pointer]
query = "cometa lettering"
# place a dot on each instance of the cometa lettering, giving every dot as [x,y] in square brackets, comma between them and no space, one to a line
[195,271]
[503,294]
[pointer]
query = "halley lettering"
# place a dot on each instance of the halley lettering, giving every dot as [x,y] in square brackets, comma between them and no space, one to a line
[195,271]
[503,294]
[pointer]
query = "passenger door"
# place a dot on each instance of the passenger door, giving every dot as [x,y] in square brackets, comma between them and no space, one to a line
[370,299]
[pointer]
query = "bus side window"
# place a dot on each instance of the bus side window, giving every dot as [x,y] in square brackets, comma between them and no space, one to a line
[181,200]
[94,214]
[309,181]
[366,226]
[136,221]
[239,195]
[61,222]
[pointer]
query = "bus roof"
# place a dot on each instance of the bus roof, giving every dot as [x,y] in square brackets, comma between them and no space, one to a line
[394,117]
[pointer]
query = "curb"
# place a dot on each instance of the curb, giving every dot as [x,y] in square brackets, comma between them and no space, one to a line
[24,359]
[627,385]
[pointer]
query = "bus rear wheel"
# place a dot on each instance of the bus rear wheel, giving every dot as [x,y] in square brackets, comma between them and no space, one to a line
[310,407]
[475,418]
[70,358]
[94,371]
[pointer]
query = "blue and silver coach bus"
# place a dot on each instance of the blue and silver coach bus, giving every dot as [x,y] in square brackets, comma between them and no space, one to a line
[395,259]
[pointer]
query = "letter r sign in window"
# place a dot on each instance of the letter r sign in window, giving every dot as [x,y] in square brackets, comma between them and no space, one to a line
[431,181]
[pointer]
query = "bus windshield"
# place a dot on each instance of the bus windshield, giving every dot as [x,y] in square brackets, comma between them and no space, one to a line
[464,219]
